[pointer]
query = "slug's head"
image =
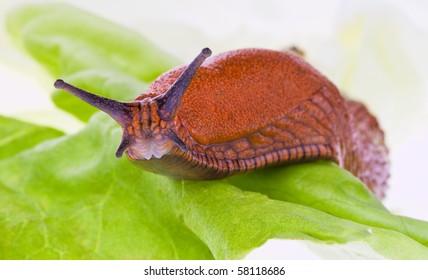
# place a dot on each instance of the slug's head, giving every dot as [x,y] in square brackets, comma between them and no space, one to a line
[147,124]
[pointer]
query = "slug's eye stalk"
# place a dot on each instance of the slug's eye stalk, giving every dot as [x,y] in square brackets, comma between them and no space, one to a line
[119,111]
[170,100]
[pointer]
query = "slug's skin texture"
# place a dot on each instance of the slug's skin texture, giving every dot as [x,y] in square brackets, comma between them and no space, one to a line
[248,109]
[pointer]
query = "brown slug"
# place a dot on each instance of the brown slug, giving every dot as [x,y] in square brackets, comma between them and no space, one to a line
[242,110]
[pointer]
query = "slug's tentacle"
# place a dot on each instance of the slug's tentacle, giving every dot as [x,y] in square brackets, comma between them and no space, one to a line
[119,111]
[124,143]
[170,100]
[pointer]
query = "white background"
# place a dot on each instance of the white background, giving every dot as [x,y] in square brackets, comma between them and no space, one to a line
[375,51]
[329,270]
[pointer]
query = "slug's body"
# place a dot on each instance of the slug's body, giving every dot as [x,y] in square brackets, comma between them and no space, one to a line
[243,110]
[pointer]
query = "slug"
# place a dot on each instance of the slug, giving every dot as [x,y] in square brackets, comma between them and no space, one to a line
[242,110]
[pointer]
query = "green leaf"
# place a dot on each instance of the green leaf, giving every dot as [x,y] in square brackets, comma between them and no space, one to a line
[341,195]
[16,136]
[78,47]
[80,202]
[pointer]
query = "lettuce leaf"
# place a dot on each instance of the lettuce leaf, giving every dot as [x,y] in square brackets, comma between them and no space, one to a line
[341,195]
[16,136]
[69,198]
